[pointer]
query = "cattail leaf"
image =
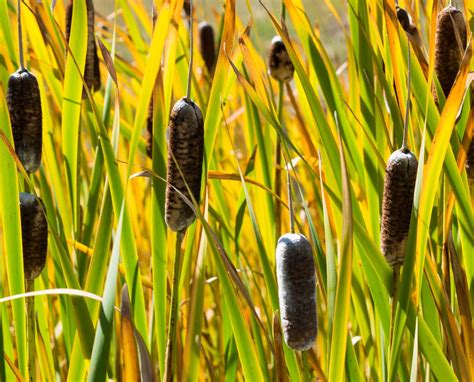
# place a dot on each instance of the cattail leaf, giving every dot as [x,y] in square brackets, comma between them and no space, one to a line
[438,151]
[108,61]
[72,99]
[103,334]
[11,227]
[342,303]
[131,365]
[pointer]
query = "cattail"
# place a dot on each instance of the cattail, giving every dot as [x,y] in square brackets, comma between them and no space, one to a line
[281,67]
[187,7]
[24,105]
[296,291]
[400,177]
[91,70]
[185,156]
[207,46]
[470,163]
[404,19]
[450,43]
[34,231]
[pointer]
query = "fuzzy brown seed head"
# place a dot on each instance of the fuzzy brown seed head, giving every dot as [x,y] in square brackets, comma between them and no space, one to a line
[470,163]
[34,231]
[187,8]
[185,153]
[281,67]
[207,45]
[24,105]
[296,291]
[399,186]
[449,48]
[91,70]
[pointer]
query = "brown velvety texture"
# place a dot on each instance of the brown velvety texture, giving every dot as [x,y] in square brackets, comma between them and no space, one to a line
[91,70]
[470,163]
[399,186]
[207,46]
[296,291]
[448,51]
[24,105]
[281,67]
[34,231]
[185,153]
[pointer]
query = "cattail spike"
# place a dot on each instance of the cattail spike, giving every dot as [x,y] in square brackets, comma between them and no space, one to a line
[91,70]
[400,177]
[34,231]
[296,291]
[470,163]
[280,66]
[185,155]
[24,105]
[207,46]
[450,42]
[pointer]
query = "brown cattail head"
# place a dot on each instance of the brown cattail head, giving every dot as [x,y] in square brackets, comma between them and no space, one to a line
[185,156]
[207,45]
[470,163]
[281,67]
[296,291]
[34,232]
[400,177]
[24,105]
[450,43]
[91,70]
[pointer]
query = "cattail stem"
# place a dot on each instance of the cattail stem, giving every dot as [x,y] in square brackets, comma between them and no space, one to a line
[407,111]
[30,315]
[171,341]
[20,37]
[278,164]
[191,50]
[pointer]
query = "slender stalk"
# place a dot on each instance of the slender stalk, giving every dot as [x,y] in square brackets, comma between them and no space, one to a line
[30,319]
[20,37]
[171,341]
[278,164]
[407,111]
[191,50]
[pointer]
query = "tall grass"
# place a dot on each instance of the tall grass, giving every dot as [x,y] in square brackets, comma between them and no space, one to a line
[104,197]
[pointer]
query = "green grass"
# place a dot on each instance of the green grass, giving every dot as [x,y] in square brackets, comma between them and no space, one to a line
[337,121]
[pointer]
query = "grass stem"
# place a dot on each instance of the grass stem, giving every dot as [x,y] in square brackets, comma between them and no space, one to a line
[191,50]
[20,37]
[30,316]
[171,341]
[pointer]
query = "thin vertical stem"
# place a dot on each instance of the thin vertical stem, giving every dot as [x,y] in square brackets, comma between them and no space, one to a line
[191,50]
[407,111]
[20,37]
[30,319]
[171,342]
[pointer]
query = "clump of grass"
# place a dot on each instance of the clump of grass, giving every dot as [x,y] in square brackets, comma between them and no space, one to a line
[450,42]
[279,63]
[91,70]
[297,291]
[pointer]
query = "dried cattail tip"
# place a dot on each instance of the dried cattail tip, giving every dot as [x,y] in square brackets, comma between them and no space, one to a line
[207,46]
[187,8]
[296,291]
[404,20]
[91,70]
[34,232]
[24,105]
[450,43]
[185,156]
[470,163]
[400,177]
[281,67]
